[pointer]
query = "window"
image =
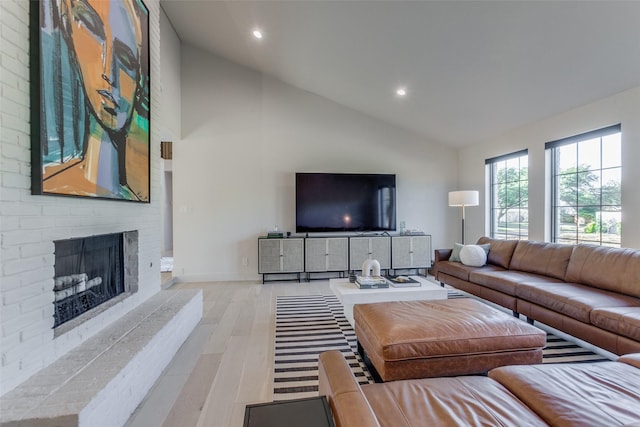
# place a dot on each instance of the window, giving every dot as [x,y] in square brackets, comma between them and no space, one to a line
[509,192]
[586,181]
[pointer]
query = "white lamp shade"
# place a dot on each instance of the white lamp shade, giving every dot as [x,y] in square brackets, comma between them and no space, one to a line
[464,198]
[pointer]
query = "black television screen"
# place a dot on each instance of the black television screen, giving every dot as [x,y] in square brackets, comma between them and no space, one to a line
[345,202]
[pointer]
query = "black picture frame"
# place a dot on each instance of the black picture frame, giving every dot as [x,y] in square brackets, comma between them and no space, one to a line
[90,99]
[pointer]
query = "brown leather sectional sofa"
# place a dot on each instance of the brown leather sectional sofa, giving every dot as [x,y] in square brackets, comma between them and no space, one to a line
[595,394]
[590,292]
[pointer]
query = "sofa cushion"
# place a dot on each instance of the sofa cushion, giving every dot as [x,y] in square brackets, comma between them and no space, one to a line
[455,252]
[500,251]
[613,269]
[571,299]
[460,270]
[457,248]
[458,401]
[623,321]
[505,281]
[581,394]
[548,259]
[473,255]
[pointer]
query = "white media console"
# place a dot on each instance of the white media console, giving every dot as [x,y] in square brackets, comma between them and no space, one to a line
[305,256]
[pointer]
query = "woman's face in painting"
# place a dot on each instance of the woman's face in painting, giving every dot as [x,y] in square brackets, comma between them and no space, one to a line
[106,38]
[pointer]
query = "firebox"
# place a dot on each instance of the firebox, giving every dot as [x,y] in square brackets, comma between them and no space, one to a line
[88,272]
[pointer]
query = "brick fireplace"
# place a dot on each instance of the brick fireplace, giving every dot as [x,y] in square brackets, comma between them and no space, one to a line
[31,225]
[91,271]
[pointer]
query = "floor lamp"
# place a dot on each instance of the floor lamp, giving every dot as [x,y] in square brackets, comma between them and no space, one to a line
[464,198]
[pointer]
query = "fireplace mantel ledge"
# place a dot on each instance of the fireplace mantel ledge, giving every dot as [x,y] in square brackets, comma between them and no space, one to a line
[102,381]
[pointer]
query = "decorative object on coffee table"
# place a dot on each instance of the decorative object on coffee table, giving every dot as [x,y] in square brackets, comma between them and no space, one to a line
[402,282]
[370,267]
[371,282]
[463,199]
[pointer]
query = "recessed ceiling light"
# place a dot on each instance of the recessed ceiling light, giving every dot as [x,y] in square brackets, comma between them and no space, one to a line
[257,34]
[401,91]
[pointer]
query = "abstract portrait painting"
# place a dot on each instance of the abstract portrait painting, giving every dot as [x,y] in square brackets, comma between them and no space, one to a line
[90,105]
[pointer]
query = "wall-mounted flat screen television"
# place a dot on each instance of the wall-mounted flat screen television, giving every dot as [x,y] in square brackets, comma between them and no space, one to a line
[345,202]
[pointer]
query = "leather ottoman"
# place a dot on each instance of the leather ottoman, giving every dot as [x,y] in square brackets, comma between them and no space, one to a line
[421,339]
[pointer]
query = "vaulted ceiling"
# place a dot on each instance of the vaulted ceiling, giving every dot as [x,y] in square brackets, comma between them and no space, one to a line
[472,69]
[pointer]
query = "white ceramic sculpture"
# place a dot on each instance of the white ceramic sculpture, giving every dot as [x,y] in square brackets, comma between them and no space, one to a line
[370,267]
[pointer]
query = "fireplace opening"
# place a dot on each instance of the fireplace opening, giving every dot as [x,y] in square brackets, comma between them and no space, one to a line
[88,272]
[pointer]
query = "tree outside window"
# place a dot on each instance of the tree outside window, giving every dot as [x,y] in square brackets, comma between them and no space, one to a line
[587,176]
[509,190]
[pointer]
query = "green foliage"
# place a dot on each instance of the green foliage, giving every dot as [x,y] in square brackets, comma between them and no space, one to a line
[594,227]
[581,187]
[600,226]
[513,189]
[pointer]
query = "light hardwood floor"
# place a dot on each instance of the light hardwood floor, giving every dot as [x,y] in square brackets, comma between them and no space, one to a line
[226,362]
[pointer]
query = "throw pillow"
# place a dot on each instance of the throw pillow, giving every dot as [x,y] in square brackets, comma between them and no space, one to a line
[473,256]
[455,253]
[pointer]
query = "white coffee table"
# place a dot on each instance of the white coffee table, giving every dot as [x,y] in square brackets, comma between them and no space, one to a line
[349,294]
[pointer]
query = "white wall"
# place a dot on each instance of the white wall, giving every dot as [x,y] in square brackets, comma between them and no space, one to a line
[170,123]
[169,126]
[30,224]
[245,135]
[622,108]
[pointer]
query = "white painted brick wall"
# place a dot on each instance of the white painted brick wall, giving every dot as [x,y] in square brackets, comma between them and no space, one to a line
[29,224]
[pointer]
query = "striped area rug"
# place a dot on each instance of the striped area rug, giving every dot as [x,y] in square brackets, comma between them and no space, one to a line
[305,327]
[559,350]
[308,325]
